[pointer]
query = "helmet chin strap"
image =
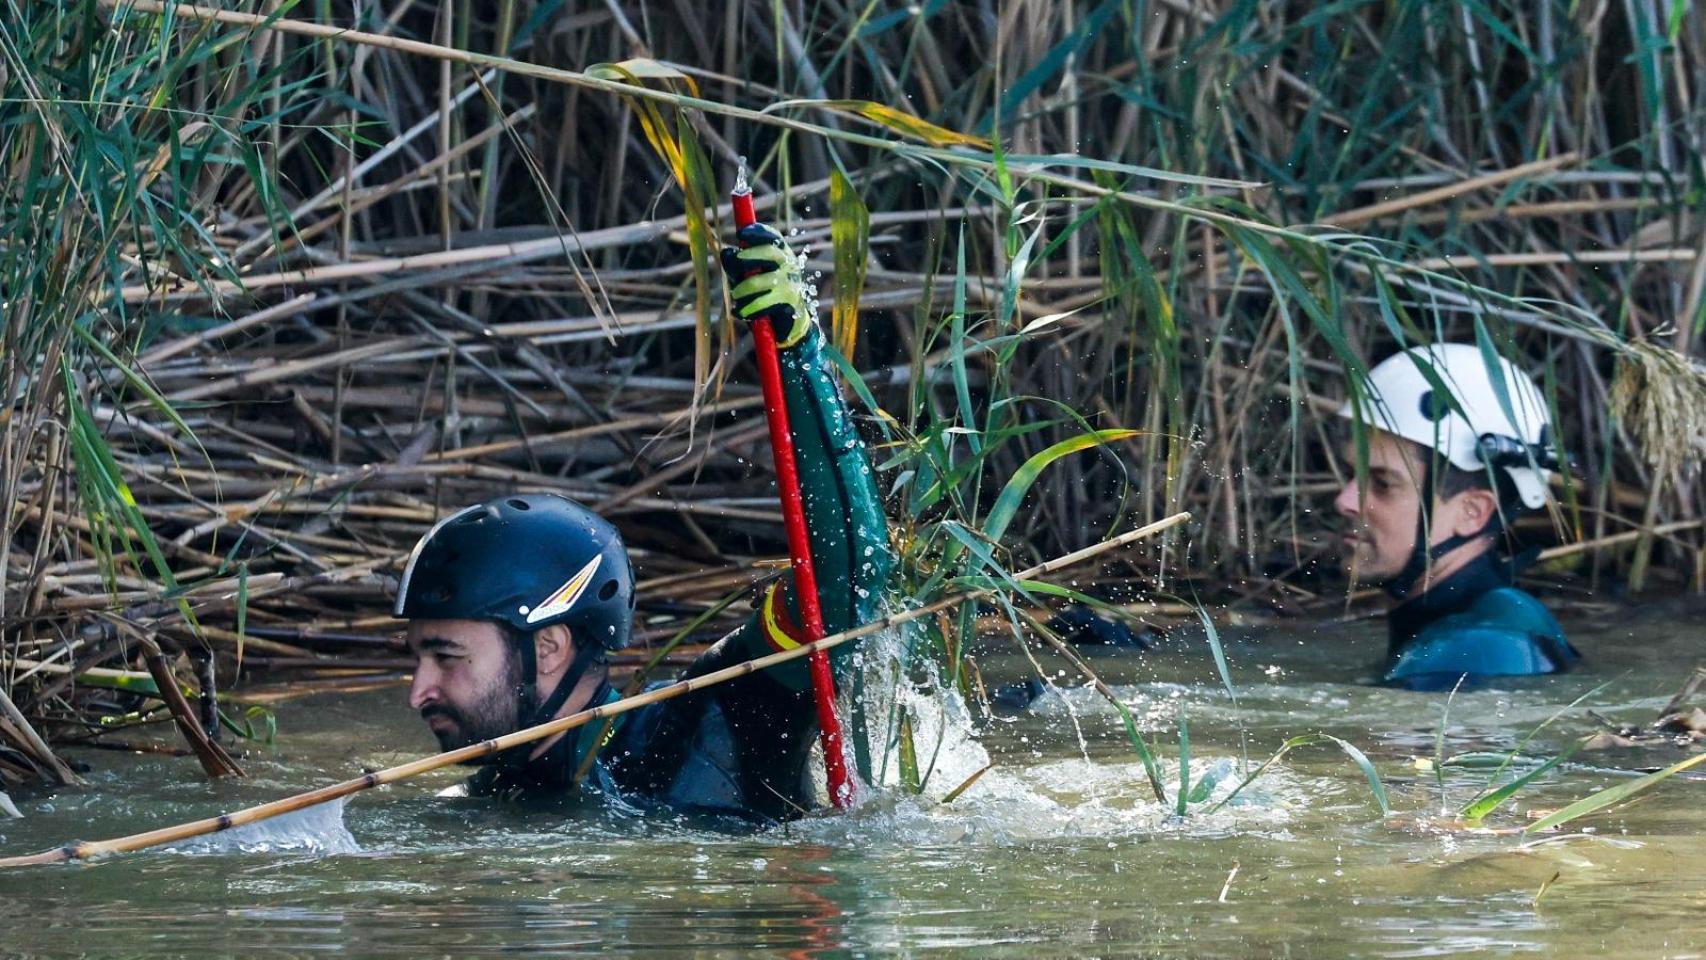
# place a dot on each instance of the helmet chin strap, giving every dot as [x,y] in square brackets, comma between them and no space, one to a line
[530,711]
[584,656]
[1422,555]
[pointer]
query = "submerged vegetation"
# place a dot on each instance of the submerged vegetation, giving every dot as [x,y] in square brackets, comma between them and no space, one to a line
[283,285]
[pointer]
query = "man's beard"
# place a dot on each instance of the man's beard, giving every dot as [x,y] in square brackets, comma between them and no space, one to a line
[496,713]
[1358,558]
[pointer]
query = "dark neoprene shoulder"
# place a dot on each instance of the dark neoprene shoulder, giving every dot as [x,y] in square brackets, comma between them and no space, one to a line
[1503,633]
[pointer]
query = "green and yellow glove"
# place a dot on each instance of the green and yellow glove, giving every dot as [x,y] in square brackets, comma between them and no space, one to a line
[767,283]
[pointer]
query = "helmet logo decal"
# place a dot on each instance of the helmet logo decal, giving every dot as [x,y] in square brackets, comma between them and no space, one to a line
[565,596]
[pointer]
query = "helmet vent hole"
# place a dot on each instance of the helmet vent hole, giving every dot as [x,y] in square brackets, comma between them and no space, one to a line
[519,503]
[608,590]
[1432,409]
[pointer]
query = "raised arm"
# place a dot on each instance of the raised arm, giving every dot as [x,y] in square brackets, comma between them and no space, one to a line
[844,516]
[746,743]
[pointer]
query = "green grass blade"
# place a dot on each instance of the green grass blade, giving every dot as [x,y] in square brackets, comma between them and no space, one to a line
[957,359]
[1204,788]
[1373,776]
[1439,739]
[1376,787]
[1612,795]
[1184,793]
[888,117]
[135,379]
[1145,755]
[1477,810]
[1219,654]
[1013,493]
[963,787]
[909,778]
[242,609]
[850,236]
[1515,752]
[1256,774]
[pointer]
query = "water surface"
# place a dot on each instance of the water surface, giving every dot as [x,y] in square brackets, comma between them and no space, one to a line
[1060,850]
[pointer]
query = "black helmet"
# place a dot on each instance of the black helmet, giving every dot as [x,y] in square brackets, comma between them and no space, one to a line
[528,561]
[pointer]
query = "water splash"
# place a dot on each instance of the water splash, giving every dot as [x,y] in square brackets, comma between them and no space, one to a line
[943,731]
[1035,798]
[742,185]
[317,830]
[1072,799]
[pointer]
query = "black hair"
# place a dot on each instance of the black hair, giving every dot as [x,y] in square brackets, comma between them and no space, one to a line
[1453,480]
[1449,480]
[517,639]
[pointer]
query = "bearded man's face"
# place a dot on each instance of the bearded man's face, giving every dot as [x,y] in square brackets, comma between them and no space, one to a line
[467,680]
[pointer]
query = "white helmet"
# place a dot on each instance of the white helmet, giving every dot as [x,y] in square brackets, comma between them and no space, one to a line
[1518,438]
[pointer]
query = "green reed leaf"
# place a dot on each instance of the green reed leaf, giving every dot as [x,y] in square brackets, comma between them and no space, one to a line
[1596,802]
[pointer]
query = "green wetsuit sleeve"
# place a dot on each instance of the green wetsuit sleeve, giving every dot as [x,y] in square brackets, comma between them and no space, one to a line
[768,720]
[844,518]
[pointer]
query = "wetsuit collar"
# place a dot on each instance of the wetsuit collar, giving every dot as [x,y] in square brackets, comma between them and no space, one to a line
[1451,595]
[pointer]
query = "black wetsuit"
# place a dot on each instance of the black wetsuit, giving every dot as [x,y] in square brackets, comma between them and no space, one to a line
[741,747]
[1471,626]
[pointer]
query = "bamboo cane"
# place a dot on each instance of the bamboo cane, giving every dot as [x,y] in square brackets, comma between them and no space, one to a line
[1615,539]
[486,748]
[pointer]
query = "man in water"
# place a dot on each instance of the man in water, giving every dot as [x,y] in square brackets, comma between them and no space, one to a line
[1456,450]
[514,604]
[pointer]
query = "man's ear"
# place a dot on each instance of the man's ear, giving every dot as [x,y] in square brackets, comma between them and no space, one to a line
[554,647]
[1472,511]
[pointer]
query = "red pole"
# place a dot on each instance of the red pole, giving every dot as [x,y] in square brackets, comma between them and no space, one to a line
[799,543]
[741,200]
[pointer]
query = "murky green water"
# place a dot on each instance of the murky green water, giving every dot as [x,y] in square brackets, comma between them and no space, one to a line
[1049,855]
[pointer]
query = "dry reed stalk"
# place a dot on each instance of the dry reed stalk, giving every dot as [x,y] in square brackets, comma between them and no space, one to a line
[213,758]
[1427,198]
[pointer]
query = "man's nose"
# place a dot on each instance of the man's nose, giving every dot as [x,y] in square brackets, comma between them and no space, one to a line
[1349,501]
[424,688]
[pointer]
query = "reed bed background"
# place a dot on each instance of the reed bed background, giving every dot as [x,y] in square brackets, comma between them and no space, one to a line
[278,297]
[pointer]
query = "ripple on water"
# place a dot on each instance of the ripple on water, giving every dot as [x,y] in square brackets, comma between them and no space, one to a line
[1047,855]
